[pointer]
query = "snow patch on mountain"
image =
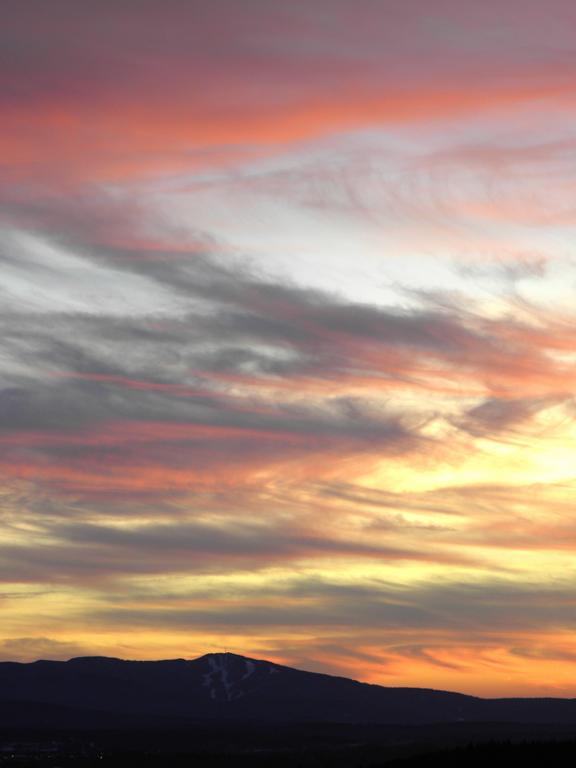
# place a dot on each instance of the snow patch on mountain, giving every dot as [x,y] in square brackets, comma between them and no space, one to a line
[225,675]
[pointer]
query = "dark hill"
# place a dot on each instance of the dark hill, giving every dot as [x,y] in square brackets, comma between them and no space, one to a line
[226,687]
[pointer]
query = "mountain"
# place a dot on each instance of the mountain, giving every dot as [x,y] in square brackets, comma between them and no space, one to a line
[227,687]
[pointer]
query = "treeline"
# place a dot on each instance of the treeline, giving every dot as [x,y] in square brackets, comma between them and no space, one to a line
[492,755]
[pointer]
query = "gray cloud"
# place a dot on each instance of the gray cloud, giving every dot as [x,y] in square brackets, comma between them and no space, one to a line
[485,607]
[495,415]
[88,553]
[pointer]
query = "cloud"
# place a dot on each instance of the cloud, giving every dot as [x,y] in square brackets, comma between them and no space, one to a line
[73,553]
[217,74]
[484,607]
[284,344]
[32,648]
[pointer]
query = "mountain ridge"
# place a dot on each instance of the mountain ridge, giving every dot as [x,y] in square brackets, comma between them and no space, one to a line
[228,687]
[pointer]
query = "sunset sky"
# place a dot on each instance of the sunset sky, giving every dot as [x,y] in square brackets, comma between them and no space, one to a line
[289,336]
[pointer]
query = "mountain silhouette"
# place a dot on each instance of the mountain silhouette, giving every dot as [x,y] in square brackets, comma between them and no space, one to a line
[227,687]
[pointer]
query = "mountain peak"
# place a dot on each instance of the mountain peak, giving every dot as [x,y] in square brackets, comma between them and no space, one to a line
[229,676]
[229,657]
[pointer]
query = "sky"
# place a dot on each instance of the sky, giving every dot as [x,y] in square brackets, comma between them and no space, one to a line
[288,336]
